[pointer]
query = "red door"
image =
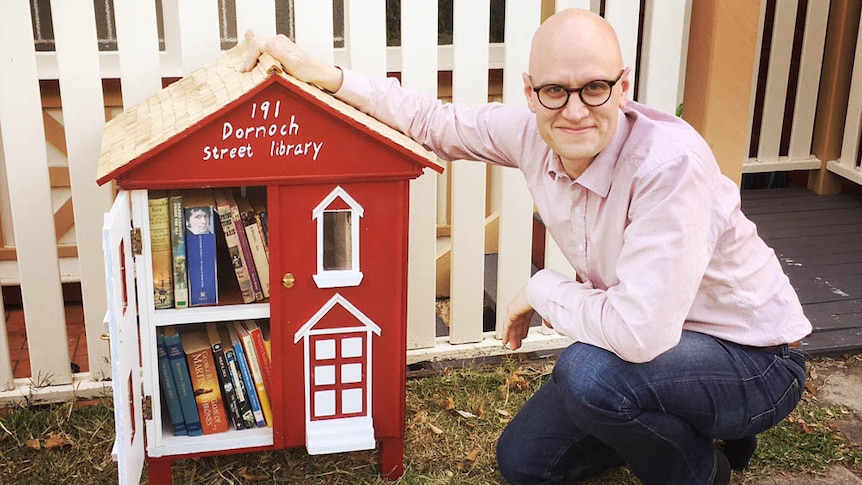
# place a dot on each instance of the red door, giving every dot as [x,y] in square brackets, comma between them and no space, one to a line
[346,239]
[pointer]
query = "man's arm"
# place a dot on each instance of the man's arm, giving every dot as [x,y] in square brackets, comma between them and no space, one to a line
[297,62]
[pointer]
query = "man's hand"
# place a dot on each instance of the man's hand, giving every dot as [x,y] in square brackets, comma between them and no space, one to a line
[518,316]
[295,61]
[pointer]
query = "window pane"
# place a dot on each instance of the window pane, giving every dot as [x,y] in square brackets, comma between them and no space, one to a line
[337,241]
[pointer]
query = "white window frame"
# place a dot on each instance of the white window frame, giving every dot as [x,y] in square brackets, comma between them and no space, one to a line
[338,278]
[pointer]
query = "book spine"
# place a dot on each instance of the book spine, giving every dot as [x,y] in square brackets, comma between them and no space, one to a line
[223,373]
[246,251]
[160,240]
[169,388]
[256,374]
[201,258]
[180,370]
[243,401]
[236,254]
[260,420]
[207,390]
[262,354]
[258,252]
[178,246]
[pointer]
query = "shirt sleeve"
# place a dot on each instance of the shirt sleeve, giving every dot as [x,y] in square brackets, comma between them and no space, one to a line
[667,244]
[487,133]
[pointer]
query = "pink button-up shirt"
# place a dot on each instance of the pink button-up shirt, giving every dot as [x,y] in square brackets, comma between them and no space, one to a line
[652,228]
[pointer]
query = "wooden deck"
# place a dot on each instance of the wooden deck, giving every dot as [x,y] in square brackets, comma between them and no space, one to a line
[818,239]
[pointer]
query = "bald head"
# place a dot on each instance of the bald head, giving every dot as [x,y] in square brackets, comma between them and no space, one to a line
[575,38]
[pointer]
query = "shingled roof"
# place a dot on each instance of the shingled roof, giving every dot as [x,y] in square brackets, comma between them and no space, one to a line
[188,101]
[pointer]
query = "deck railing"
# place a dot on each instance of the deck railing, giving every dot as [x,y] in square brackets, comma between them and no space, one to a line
[42,142]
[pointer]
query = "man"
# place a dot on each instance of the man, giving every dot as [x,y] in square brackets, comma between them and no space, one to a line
[687,329]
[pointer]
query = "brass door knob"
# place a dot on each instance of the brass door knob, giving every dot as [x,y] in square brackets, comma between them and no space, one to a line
[288,280]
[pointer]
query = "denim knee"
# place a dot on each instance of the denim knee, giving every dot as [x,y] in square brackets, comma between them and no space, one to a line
[590,380]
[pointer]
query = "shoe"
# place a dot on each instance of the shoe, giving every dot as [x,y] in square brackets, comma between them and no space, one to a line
[739,452]
[722,469]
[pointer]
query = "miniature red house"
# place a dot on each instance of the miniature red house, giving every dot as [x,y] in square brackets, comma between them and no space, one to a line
[336,185]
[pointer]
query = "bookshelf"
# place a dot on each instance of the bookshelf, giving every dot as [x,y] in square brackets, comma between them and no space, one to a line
[337,196]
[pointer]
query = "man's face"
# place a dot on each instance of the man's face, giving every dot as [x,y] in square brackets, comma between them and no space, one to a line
[576,132]
[199,221]
[571,50]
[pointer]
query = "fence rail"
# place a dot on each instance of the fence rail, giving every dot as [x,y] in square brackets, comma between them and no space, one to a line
[654,44]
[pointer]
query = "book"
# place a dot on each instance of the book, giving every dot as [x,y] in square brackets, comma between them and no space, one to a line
[169,387]
[258,203]
[244,246]
[178,250]
[237,257]
[262,353]
[160,242]
[204,378]
[245,371]
[267,341]
[200,247]
[255,243]
[239,386]
[255,369]
[223,373]
[180,371]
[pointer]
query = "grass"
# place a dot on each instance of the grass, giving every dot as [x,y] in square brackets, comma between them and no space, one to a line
[453,420]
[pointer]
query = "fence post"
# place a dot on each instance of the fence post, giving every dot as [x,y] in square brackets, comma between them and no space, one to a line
[720,75]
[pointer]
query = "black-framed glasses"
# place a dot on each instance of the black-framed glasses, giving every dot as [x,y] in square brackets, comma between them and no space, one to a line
[594,93]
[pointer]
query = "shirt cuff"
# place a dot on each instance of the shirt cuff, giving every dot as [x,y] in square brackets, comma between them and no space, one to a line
[540,287]
[355,89]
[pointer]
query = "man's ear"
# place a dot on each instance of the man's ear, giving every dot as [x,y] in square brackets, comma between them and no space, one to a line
[528,92]
[625,88]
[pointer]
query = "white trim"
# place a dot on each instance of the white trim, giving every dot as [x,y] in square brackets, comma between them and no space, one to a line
[338,278]
[340,300]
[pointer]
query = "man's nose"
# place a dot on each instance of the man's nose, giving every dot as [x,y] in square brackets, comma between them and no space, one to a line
[575,109]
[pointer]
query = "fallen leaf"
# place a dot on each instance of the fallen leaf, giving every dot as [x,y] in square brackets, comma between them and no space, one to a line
[33,443]
[57,440]
[435,429]
[251,477]
[474,453]
[465,414]
[503,412]
[450,403]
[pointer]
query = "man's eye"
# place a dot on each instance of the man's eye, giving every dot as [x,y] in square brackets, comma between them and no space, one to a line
[595,87]
[555,90]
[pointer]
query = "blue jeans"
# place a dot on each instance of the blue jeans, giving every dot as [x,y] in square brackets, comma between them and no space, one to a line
[660,418]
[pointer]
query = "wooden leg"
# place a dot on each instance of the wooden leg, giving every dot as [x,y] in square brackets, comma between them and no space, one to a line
[159,470]
[392,457]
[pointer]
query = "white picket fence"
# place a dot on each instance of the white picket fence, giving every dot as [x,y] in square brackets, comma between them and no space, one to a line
[470,192]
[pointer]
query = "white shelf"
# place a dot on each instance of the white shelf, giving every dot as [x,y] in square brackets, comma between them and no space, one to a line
[217,313]
[229,440]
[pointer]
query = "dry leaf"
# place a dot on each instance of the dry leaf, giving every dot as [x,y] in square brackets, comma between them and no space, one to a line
[33,443]
[450,403]
[465,414]
[807,429]
[435,429]
[57,440]
[251,477]
[503,412]
[474,453]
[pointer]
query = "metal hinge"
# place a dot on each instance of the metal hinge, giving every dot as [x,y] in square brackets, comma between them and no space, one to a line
[148,408]
[137,245]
